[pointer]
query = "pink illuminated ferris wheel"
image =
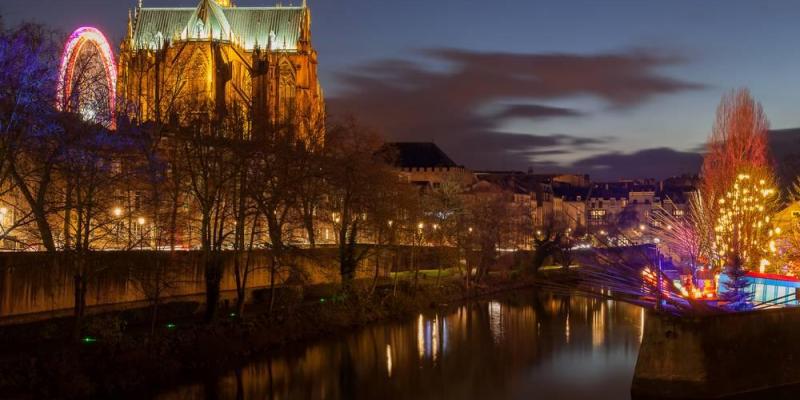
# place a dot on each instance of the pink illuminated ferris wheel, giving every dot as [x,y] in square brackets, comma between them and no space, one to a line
[87,78]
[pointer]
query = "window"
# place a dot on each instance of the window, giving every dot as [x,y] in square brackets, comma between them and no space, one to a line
[287,89]
[597,214]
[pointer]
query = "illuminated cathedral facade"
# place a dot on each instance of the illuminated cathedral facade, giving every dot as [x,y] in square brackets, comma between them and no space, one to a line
[218,61]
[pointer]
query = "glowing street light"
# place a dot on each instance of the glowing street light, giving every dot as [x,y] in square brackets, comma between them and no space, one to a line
[117,211]
[141,221]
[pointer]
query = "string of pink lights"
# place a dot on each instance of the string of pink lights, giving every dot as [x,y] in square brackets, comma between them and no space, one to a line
[72,49]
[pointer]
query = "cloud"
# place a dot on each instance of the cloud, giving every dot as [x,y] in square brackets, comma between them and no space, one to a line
[444,97]
[535,111]
[648,163]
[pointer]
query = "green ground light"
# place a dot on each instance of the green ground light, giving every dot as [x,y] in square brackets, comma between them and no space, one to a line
[89,339]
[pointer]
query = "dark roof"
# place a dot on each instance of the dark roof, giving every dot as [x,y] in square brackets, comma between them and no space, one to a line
[417,155]
[570,193]
[609,193]
[507,182]
[643,188]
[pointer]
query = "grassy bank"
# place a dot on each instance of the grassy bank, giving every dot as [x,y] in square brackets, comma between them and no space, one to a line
[119,355]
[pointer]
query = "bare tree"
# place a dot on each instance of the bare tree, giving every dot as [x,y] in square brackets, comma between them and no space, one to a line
[738,141]
[206,158]
[354,173]
[28,67]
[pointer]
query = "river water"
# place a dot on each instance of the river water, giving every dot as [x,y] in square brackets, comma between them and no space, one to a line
[529,347]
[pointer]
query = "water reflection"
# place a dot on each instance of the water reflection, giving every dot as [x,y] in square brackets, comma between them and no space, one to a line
[539,347]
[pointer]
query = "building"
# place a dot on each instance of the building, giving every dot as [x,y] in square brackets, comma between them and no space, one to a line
[424,164]
[537,188]
[571,202]
[218,61]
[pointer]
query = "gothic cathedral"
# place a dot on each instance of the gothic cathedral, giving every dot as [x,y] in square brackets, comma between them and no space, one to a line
[219,61]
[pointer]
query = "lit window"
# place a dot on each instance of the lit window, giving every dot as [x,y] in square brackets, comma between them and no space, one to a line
[597,214]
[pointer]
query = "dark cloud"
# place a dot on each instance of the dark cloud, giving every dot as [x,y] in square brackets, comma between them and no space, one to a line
[412,101]
[649,163]
[535,111]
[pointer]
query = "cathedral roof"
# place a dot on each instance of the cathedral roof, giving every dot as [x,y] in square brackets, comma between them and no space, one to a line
[208,21]
[250,26]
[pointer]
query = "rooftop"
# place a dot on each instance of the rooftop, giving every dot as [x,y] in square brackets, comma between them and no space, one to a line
[278,27]
[417,155]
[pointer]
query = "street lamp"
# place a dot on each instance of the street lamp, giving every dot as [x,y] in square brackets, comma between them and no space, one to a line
[117,211]
[141,222]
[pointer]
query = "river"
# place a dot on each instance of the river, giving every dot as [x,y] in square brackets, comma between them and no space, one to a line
[526,347]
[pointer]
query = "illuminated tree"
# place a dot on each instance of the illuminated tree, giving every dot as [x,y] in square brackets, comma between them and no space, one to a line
[744,234]
[744,238]
[28,145]
[738,142]
[738,194]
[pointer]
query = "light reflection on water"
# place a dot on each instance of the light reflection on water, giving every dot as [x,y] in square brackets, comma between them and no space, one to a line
[534,347]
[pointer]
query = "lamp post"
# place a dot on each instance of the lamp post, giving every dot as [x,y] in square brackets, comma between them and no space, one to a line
[141,222]
[117,213]
[659,278]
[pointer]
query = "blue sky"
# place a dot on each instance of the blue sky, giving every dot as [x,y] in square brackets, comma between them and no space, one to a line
[683,56]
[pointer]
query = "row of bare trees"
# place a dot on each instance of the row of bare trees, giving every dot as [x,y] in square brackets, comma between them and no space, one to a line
[214,183]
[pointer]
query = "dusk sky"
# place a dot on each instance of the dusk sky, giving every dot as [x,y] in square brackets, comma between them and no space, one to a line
[615,89]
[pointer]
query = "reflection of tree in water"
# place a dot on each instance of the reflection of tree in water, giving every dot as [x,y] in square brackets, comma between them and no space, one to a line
[470,360]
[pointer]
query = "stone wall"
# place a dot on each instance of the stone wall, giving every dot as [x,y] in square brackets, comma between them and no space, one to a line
[719,355]
[32,283]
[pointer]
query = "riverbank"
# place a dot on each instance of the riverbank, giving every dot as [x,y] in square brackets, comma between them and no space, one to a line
[119,356]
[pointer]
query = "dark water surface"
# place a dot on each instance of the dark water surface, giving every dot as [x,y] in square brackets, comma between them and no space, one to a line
[532,347]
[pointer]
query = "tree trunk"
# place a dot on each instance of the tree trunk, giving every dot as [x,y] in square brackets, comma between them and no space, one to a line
[377,272]
[272,283]
[80,302]
[308,221]
[414,266]
[213,277]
